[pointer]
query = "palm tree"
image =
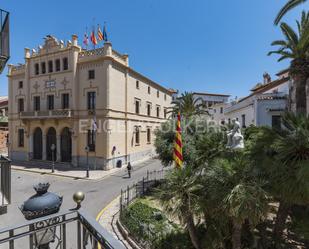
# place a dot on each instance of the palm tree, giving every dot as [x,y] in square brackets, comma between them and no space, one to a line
[287,7]
[283,159]
[296,47]
[179,198]
[188,105]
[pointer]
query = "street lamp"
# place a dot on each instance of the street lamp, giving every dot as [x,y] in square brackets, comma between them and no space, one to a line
[53,148]
[87,151]
[41,204]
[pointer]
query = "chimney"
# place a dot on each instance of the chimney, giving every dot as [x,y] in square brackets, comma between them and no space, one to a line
[108,48]
[74,40]
[27,53]
[267,78]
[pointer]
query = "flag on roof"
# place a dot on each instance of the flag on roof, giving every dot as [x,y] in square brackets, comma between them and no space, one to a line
[100,34]
[93,38]
[86,40]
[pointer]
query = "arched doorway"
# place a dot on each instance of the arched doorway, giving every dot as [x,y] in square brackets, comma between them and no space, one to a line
[37,144]
[66,145]
[51,139]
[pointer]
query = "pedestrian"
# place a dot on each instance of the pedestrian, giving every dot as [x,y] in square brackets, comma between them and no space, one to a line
[129,167]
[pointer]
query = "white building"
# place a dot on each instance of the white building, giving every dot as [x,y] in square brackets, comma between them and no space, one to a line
[263,106]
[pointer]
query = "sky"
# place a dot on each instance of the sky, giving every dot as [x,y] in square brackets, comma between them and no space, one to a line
[190,45]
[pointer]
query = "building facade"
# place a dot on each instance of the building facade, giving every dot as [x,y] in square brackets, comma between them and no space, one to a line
[264,106]
[88,103]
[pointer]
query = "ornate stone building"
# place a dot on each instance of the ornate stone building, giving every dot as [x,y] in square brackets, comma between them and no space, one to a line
[82,100]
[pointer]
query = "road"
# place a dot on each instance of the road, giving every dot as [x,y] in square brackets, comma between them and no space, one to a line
[97,193]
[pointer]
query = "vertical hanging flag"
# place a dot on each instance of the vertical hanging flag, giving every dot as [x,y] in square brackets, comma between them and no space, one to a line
[104,33]
[100,34]
[93,38]
[86,40]
[178,158]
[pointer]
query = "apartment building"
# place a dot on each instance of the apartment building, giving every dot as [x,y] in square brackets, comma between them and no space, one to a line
[86,103]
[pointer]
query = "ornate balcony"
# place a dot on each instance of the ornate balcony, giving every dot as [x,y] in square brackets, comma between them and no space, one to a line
[46,114]
[69,229]
[4,38]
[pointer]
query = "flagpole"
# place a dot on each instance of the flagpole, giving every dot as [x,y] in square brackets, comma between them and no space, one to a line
[87,38]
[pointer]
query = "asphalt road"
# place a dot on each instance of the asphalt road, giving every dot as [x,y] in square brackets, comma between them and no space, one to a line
[97,193]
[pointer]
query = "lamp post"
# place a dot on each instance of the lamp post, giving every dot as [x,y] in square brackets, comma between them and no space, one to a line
[87,151]
[41,204]
[53,147]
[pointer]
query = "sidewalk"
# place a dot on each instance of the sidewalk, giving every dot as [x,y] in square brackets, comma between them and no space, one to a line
[74,173]
[108,218]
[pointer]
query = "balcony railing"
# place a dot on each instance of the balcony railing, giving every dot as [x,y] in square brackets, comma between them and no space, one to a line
[70,229]
[46,114]
[4,38]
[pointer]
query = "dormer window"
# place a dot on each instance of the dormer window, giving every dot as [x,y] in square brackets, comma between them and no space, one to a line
[65,63]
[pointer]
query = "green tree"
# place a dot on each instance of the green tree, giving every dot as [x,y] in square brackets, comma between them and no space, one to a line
[188,105]
[291,4]
[282,159]
[295,47]
[178,196]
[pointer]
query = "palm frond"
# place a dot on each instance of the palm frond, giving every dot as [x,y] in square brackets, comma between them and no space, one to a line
[286,8]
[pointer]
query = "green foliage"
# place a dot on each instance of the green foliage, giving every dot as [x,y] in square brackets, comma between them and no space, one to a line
[291,4]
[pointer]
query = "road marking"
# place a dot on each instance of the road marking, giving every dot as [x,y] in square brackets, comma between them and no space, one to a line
[102,211]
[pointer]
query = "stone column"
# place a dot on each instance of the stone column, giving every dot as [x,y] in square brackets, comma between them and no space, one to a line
[58,148]
[44,147]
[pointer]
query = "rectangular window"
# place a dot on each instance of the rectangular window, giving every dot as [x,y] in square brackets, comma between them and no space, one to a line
[50,102]
[148,135]
[137,105]
[137,136]
[221,110]
[43,67]
[20,84]
[164,96]
[65,63]
[276,121]
[50,66]
[149,90]
[36,103]
[243,120]
[91,100]
[165,113]
[20,105]
[158,111]
[137,84]
[148,109]
[57,65]
[158,94]
[91,140]
[21,137]
[65,101]
[36,68]
[91,74]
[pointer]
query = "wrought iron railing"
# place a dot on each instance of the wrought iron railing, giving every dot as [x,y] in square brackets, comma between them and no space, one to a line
[5,181]
[4,38]
[140,188]
[71,229]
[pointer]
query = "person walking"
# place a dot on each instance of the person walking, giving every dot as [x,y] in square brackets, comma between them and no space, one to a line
[129,167]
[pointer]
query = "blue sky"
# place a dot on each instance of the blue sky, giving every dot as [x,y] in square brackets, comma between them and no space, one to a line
[197,45]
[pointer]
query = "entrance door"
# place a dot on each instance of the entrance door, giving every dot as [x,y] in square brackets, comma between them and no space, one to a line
[51,139]
[37,144]
[66,145]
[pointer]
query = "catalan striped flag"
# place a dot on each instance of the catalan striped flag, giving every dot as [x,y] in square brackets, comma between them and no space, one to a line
[178,144]
[100,34]
[93,38]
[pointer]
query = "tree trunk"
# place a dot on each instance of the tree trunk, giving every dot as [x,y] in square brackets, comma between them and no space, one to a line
[300,96]
[282,215]
[236,235]
[192,231]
